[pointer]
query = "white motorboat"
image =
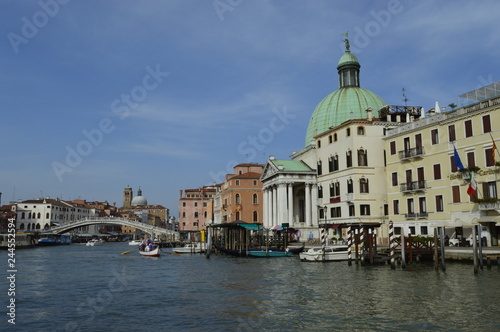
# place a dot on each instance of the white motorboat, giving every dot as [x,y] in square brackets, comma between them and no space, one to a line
[95,242]
[335,253]
[189,248]
[134,242]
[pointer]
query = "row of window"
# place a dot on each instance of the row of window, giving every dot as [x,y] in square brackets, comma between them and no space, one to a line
[195,204]
[335,188]
[32,226]
[48,215]
[333,161]
[336,212]
[237,182]
[195,214]
[334,137]
[470,157]
[489,190]
[452,136]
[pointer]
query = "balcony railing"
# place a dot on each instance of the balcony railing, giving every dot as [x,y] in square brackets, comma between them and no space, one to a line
[489,206]
[410,215]
[422,215]
[413,186]
[415,152]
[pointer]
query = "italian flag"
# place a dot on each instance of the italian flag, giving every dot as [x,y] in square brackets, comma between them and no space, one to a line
[472,184]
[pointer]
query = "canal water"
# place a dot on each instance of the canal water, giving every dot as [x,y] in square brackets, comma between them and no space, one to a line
[79,288]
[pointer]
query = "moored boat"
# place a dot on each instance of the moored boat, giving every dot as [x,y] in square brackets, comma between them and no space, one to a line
[54,239]
[95,242]
[335,253]
[189,248]
[269,253]
[134,242]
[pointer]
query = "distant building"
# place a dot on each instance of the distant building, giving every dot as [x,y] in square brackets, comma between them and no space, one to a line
[240,196]
[195,208]
[41,214]
[137,208]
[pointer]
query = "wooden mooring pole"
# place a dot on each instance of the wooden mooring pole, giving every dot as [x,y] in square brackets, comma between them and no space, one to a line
[403,254]
[474,248]
[436,256]
[362,244]
[392,244]
[349,245]
[441,241]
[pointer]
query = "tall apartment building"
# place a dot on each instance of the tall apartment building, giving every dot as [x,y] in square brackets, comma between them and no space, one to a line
[195,208]
[426,189]
[240,196]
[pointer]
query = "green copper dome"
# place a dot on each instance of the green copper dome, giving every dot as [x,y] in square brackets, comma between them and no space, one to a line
[336,108]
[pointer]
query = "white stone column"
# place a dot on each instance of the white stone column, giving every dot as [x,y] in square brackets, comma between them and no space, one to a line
[308,205]
[282,203]
[314,204]
[264,207]
[270,207]
[290,204]
[275,206]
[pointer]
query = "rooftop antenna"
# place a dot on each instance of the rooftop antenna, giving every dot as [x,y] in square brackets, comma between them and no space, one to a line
[406,100]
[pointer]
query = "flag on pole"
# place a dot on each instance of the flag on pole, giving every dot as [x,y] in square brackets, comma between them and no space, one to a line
[471,189]
[456,159]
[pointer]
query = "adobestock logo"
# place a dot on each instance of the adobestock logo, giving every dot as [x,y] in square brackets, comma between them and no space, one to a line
[250,147]
[30,28]
[362,37]
[120,107]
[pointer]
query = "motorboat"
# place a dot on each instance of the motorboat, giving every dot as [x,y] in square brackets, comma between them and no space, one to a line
[269,253]
[54,239]
[334,253]
[95,242]
[189,248]
[134,242]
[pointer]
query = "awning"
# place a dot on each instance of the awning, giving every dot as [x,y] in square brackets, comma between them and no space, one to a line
[251,227]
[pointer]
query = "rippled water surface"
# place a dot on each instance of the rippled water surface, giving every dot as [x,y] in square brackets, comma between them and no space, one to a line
[79,288]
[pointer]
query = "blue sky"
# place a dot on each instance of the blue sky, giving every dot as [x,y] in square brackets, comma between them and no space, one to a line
[168,95]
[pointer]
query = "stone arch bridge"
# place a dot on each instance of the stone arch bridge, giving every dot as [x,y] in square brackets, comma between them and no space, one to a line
[150,229]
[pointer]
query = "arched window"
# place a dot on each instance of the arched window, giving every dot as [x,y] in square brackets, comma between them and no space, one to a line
[196,214]
[320,191]
[23,215]
[21,226]
[348,132]
[255,199]
[361,130]
[205,214]
[320,168]
[335,137]
[39,215]
[350,187]
[363,185]
[349,158]
[183,214]
[38,226]
[255,216]
[29,215]
[238,199]
[362,157]
[29,226]
[48,214]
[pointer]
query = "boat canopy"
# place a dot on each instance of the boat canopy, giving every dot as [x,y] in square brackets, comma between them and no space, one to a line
[240,223]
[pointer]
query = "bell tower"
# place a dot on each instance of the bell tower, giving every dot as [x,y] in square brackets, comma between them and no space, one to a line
[127,197]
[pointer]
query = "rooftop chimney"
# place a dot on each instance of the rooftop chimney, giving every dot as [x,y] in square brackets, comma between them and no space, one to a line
[369,114]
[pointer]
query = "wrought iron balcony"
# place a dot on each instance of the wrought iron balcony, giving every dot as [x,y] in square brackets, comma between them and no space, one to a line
[410,215]
[416,152]
[413,186]
[489,206]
